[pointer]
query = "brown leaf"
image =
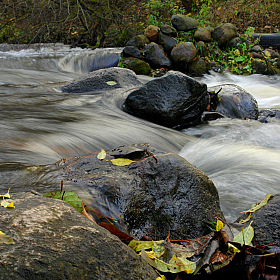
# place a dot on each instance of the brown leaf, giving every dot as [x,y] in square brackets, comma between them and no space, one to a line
[218,257]
[120,234]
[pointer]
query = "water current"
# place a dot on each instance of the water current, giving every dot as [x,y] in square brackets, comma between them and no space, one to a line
[40,125]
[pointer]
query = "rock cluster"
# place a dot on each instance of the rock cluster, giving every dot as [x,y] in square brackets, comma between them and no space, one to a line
[175,47]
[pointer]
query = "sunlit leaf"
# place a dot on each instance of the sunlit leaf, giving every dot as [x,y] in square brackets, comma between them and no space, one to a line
[101,155]
[267,53]
[5,239]
[111,83]
[161,277]
[122,161]
[6,204]
[219,225]
[34,168]
[243,221]
[246,235]
[70,197]
[183,264]
[137,246]
[7,195]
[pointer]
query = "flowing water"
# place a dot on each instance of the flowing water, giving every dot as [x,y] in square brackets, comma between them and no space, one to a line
[40,125]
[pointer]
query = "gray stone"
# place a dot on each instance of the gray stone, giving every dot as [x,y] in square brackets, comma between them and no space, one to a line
[140,67]
[264,68]
[224,33]
[152,32]
[98,80]
[202,34]
[54,241]
[235,102]
[197,68]
[166,42]
[184,52]
[173,100]
[159,192]
[155,56]
[168,30]
[184,23]
[257,48]
[129,51]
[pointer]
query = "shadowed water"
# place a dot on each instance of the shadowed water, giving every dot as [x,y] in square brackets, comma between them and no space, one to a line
[40,125]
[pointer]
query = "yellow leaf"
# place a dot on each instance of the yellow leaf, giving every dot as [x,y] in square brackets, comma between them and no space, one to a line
[7,195]
[267,53]
[5,239]
[101,155]
[219,225]
[111,83]
[151,254]
[122,161]
[6,204]
[245,236]
[259,205]
[219,8]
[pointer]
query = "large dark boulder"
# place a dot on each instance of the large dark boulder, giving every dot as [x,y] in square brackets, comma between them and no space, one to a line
[158,193]
[235,102]
[166,42]
[54,241]
[155,56]
[104,79]
[184,23]
[266,222]
[197,68]
[224,33]
[138,41]
[129,51]
[172,100]
[183,53]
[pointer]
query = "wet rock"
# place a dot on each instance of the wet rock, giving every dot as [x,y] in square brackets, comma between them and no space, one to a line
[129,51]
[98,80]
[155,56]
[269,113]
[138,41]
[183,53]
[140,67]
[172,100]
[198,67]
[158,192]
[266,222]
[224,33]
[152,33]
[184,23]
[235,102]
[168,30]
[202,34]
[257,55]
[166,42]
[54,241]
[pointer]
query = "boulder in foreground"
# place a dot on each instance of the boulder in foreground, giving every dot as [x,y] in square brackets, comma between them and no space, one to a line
[54,241]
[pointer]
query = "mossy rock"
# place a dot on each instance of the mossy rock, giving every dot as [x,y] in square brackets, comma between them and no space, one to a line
[139,66]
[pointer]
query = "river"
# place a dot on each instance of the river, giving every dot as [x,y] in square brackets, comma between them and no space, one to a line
[40,125]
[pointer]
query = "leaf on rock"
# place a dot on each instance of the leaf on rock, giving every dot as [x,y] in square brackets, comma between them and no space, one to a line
[114,230]
[70,197]
[111,83]
[257,206]
[101,155]
[6,204]
[7,195]
[6,239]
[137,246]
[34,168]
[219,225]
[218,257]
[121,161]
[246,235]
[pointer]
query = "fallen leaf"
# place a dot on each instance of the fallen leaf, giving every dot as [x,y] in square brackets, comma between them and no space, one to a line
[218,257]
[7,195]
[121,161]
[137,246]
[6,239]
[70,197]
[219,225]
[6,204]
[114,230]
[257,206]
[111,83]
[245,236]
[101,155]
[34,168]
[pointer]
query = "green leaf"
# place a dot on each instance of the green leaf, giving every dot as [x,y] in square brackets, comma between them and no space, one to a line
[245,236]
[257,206]
[70,197]
[6,239]
[101,155]
[111,83]
[122,161]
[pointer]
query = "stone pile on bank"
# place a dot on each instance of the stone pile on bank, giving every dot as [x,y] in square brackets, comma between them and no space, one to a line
[185,46]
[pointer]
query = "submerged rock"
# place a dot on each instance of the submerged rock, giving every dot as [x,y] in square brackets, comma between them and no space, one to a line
[158,193]
[54,241]
[235,102]
[172,100]
[104,79]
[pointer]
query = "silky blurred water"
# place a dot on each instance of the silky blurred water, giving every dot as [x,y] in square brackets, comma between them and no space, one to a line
[40,124]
